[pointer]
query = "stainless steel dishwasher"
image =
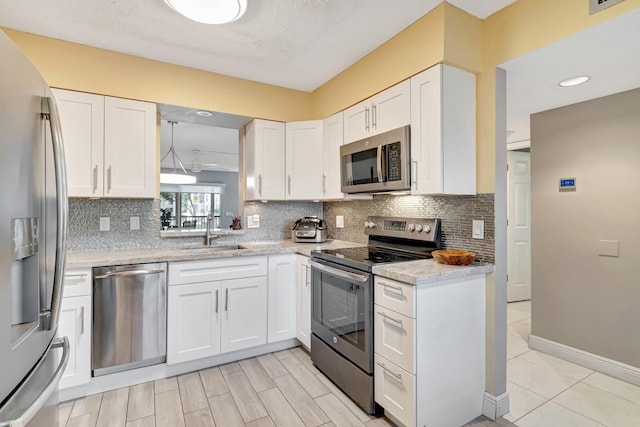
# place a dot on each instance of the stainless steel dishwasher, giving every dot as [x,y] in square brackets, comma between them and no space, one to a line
[129,317]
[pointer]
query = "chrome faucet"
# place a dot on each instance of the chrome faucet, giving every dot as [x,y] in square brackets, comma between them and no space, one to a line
[208,237]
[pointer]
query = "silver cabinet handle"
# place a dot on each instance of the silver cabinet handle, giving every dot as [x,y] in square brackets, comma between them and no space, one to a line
[128,273]
[398,376]
[308,278]
[109,179]
[289,183]
[374,122]
[360,278]
[414,173]
[260,184]
[399,322]
[82,320]
[366,119]
[95,179]
[50,113]
[226,299]
[217,300]
[70,275]
[324,184]
[386,285]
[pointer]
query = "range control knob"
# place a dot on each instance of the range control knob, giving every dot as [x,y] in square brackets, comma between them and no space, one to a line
[368,224]
[427,228]
[418,228]
[411,227]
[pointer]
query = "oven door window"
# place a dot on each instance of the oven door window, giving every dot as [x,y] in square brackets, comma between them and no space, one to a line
[341,309]
[361,167]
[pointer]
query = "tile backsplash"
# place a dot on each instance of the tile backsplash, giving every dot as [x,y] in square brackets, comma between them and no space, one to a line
[456,213]
[277,218]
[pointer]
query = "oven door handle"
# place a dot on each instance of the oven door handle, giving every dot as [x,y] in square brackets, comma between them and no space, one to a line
[360,278]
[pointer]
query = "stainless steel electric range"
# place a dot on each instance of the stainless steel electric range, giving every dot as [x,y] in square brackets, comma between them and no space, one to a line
[342,299]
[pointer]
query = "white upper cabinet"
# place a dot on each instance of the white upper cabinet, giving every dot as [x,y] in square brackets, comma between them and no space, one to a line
[110,145]
[443,131]
[333,136]
[82,120]
[130,148]
[304,160]
[265,160]
[388,110]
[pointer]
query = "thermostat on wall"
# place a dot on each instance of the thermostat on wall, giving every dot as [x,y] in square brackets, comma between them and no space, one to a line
[568,184]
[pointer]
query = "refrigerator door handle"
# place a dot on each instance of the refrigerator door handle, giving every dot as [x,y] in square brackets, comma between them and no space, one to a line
[51,386]
[50,111]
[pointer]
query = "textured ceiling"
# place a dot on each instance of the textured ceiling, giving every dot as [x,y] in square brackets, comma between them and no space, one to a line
[299,44]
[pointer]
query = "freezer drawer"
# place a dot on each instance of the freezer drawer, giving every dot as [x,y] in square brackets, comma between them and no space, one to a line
[129,317]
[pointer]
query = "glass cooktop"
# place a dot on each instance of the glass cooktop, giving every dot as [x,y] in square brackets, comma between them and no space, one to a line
[365,257]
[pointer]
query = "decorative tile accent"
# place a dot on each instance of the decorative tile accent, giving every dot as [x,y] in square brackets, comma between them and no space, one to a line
[456,213]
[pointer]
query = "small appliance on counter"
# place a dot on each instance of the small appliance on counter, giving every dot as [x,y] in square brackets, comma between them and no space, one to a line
[309,229]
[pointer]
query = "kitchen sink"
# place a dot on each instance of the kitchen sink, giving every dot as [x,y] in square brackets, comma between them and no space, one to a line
[214,248]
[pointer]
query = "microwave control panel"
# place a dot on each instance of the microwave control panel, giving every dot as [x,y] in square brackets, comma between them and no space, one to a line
[394,172]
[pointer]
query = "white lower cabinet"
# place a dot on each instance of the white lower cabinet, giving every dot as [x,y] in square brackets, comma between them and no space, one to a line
[303,303]
[75,324]
[282,297]
[216,306]
[193,321]
[429,350]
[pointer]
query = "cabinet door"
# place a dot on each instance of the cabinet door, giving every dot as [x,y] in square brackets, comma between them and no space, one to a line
[265,160]
[193,321]
[244,313]
[75,324]
[332,135]
[282,297]
[443,130]
[303,315]
[130,153]
[82,121]
[357,121]
[304,160]
[391,109]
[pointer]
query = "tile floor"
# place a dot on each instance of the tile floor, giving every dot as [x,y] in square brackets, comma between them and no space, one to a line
[278,389]
[547,391]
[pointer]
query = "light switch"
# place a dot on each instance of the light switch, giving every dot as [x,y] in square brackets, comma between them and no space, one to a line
[134,223]
[105,223]
[477,231]
[253,221]
[609,248]
[339,221]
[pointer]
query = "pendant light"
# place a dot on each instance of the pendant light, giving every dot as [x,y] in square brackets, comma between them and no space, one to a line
[175,177]
[209,11]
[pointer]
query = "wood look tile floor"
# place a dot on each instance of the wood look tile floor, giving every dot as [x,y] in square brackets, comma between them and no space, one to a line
[278,389]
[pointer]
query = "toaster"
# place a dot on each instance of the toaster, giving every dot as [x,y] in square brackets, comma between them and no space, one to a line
[309,229]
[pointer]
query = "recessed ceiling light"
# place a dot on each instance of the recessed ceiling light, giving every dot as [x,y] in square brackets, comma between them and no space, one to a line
[210,11]
[204,113]
[574,81]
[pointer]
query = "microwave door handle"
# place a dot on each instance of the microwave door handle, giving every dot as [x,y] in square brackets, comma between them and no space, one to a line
[380,177]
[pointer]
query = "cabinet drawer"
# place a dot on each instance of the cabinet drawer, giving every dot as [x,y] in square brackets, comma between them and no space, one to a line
[397,296]
[395,337]
[221,269]
[76,283]
[395,390]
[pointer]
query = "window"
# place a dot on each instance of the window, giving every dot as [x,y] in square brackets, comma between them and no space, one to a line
[189,210]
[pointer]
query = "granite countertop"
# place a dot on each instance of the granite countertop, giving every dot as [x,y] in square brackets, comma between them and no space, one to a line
[88,259]
[429,271]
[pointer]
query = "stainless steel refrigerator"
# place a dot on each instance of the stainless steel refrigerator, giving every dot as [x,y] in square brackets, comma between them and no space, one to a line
[33,223]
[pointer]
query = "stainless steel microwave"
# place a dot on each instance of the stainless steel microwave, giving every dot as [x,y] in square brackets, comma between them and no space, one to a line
[376,164]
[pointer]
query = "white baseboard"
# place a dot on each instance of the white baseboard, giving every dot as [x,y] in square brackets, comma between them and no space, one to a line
[494,407]
[610,367]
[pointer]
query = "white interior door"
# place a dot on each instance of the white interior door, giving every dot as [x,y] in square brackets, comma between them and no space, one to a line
[518,226]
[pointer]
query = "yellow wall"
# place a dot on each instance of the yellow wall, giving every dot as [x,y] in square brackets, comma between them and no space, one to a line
[83,68]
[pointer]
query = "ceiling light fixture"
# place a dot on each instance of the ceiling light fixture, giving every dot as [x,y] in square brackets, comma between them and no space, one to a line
[574,81]
[210,11]
[175,177]
[204,113]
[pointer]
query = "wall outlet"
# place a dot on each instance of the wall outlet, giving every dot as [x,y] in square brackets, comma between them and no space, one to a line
[253,221]
[609,248]
[339,221]
[134,223]
[105,223]
[477,230]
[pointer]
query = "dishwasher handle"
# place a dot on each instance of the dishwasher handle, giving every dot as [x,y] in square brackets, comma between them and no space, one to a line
[128,273]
